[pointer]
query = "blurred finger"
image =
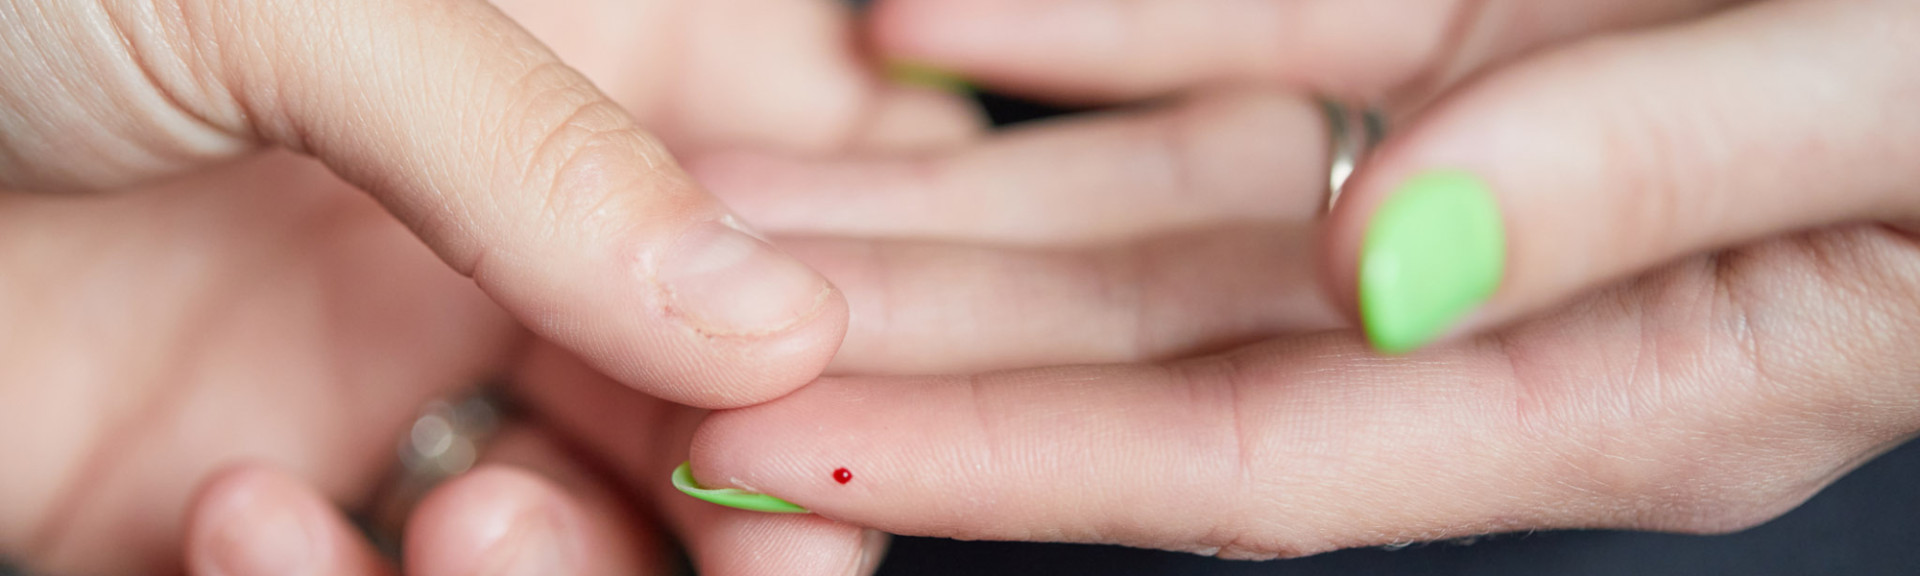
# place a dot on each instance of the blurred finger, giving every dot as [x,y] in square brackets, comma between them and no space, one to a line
[529,508]
[1238,157]
[933,308]
[1104,50]
[253,520]
[643,439]
[910,119]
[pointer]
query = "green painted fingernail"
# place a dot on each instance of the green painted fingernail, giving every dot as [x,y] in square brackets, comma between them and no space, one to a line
[1435,251]
[732,498]
[916,74]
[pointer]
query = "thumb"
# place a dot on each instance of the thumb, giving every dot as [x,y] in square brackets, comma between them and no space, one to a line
[513,167]
[1592,164]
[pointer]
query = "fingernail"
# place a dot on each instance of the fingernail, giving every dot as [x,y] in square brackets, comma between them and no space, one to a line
[723,281]
[926,76]
[264,536]
[1434,252]
[873,548]
[730,497]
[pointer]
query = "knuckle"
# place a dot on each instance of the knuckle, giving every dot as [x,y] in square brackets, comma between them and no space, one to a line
[579,161]
[1862,381]
[1685,445]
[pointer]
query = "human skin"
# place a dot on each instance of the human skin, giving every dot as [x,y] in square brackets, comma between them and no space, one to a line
[1706,315]
[193,321]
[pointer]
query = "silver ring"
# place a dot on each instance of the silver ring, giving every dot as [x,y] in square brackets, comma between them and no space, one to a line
[447,437]
[1353,133]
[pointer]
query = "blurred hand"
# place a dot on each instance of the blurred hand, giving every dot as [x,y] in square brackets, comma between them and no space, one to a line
[1678,334]
[1609,137]
[227,305]
[578,490]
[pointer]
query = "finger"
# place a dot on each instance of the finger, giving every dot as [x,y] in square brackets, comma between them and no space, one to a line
[513,167]
[529,508]
[1102,50]
[642,439]
[1312,444]
[932,308]
[252,520]
[1238,157]
[909,119]
[724,541]
[1606,159]
[1260,454]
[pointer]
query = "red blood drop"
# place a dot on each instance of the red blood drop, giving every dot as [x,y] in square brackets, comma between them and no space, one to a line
[842,476]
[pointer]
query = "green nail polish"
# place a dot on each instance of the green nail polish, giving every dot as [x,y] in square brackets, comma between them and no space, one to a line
[1434,251]
[914,74]
[732,498]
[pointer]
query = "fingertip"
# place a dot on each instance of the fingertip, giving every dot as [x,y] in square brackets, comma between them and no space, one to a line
[1433,253]
[1418,245]
[494,520]
[735,498]
[724,541]
[911,31]
[252,520]
[815,448]
[1343,234]
[759,322]
[774,367]
[927,112]
[730,448]
[991,41]
[710,315]
[873,551]
[249,521]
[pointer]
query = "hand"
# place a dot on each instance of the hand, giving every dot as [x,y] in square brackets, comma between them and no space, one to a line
[540,502]
[511,166]
[1681,337]
[266,311]
[1611,136]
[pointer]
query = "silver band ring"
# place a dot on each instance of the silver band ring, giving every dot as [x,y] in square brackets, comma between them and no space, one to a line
[1353,133]
[446,438]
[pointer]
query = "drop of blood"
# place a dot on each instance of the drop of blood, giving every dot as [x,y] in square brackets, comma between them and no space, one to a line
[843,476]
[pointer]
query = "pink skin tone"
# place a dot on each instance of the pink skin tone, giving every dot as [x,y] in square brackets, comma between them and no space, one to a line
[1685,340]
[225,306]
[1630,374]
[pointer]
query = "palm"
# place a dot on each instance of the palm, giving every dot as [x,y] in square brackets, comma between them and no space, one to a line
[269,311]
[249,313]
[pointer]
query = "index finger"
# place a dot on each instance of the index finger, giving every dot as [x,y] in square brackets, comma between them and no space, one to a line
[1643,409]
